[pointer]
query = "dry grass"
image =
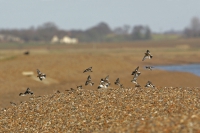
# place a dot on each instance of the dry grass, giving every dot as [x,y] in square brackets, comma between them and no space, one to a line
[107,110]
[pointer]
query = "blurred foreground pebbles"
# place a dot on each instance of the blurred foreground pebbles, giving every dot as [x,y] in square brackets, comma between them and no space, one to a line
[140,109]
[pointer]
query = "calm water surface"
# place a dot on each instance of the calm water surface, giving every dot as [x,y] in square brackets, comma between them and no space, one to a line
[192,68]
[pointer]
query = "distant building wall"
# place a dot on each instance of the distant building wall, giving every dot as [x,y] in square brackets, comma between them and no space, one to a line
[55,39]
[68,40]
[9,38]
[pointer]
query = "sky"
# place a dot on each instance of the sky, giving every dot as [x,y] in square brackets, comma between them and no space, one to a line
[159,15]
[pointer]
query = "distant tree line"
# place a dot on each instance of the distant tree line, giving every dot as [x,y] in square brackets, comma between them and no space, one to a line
[99,33]
[194,29]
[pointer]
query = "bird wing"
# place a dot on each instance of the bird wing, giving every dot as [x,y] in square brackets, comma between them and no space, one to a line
[136,74]
[107,78]
[89,78]
[117,80]
[38,71]
[88,69]
[144,57]
[137,68]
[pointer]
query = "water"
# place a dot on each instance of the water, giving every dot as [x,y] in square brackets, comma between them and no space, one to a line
[192,68]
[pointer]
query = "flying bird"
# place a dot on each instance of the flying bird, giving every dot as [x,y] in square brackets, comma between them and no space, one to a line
[40,75]
[135,71]
[102,85]
[28,91]
[117,82]
[88,70]
[134,80]
[147,55]
[106,80]
[149,67]
[89,81]
[149,84]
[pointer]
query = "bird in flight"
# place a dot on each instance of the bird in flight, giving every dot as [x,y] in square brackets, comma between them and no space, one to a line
[147,55]
[28,91]
[88,70]
[103,85]
[117,82]
[106,80]
[40,75]
[149,84]
[134,80]
[89,81]
[149,67]
[136,71]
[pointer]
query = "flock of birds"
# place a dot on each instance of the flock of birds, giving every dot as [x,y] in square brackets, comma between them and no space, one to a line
[104,82]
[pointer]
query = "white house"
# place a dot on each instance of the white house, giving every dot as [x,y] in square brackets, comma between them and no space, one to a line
[55,39]
[68,40]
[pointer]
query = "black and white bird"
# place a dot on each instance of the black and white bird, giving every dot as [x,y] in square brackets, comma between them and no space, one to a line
[88,70]
[149,84]
[22,94]
[28,91]
[149,67]
[105,80]
[147,55]
[135,74]
[135,71]
[117,82]
[79,87]
[134,80]
[40,75]
[89,81]
[102,85]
